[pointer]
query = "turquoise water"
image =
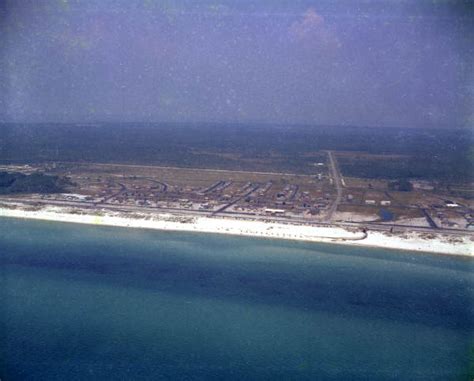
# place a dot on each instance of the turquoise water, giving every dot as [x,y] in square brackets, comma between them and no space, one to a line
[98,303]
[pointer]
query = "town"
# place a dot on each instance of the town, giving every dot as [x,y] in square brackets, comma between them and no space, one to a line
[326,197]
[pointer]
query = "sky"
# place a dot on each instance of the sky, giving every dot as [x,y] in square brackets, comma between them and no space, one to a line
[335,62]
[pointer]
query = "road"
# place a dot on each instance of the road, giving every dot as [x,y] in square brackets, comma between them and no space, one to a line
[226,206]
[222,213]
[80,163]
[219,185]
[336,176]
[123,189]
[164,186]
[429,219]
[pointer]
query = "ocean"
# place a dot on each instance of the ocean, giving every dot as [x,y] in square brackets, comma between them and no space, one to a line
[105,303]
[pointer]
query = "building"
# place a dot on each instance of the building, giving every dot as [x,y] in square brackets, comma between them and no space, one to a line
[452,205]
[274,211]
[422,185]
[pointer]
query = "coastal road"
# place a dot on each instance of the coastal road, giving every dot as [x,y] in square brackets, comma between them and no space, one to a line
[336,176]
[236,215]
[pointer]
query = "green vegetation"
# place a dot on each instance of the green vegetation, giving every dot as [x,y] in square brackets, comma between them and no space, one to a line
[14,182]
[430,154]
[452,168]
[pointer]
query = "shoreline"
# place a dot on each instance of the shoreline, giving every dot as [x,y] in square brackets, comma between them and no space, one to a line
[413,241]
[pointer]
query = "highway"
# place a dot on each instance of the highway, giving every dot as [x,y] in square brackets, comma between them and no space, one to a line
[334,172]
[222,213]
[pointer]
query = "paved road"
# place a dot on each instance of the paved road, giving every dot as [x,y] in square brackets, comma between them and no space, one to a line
[179,168]
[429,219]
[164,186]
[226,206]
[336,176]
[123,189]
[239,216]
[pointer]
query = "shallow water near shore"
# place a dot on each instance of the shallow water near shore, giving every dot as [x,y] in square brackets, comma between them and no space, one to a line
[97,303]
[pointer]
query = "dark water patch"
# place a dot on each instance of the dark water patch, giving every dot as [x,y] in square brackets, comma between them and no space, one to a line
[386,215]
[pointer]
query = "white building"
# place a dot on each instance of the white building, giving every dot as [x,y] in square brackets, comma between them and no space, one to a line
[452,205]
[274,211]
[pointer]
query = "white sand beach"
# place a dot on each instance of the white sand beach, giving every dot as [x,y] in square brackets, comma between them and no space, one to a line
[412,241]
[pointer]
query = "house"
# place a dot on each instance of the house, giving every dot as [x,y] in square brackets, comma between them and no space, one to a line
[274,211]
[422,185]
[451,204]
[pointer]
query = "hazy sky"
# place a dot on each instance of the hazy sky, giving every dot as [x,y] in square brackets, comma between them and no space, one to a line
[377,63]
